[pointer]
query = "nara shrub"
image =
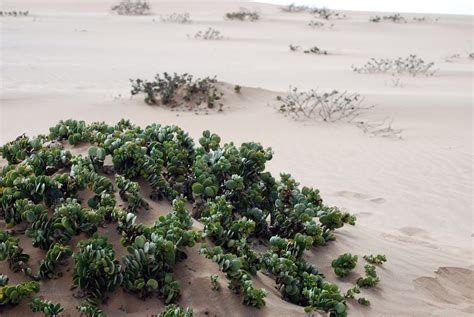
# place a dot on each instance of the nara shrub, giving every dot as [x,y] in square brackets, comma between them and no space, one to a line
[132,7]
[181,18]
[96,270]
[344,264]
[243,15]
[209,34]
[327,106]
[177,90]
[412,65]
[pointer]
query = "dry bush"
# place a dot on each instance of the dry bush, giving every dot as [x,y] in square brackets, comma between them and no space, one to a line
[14,13]
[327,14]
[412,65]
[312,50]
[181,18]
[293,8]
[320,25]
[132,7]
[396,18]
[209,34]
[328,106]
[380,128]
[243,15]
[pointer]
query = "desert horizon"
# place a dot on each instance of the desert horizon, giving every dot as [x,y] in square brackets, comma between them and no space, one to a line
[371,110]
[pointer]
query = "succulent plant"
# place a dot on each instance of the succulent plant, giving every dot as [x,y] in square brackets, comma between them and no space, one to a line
[49,309]
[55,255]
[176,311]
[71,130]
[363,301]
[3,279]
[90,308]
[344,264]
[14,294]
[130,192]
[215,282]
[95,268]
[375,259]
[10,250]
[371,279]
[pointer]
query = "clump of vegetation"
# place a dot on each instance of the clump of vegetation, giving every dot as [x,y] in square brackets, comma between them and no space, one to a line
[3,279]
[320,25]
[14,13]
[371,279]
[132,7]
[243,15]
[237,89]
[129,191]
[176,311]
[312,50]
[412,65]
[95,268]
[10,250]
[375,259]
[327,14]
[90,308]
[294,8]
[209,34]
[175,90]
[12,295]
[232,194]
[396,18]
[329,106]
[181,18]
[344,264]
[48,308]
[215,282]
[381,128]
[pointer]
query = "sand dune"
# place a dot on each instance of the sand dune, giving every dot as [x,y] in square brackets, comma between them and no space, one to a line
[412,196]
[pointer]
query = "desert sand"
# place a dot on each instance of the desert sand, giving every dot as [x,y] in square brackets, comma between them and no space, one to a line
[413,197]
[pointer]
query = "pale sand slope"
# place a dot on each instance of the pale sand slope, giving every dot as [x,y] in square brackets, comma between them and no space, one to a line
[413,197]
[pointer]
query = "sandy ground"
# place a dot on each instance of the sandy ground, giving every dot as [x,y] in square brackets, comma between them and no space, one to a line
[413,196]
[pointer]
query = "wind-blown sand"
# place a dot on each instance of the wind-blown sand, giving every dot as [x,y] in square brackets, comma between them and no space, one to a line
[412,196]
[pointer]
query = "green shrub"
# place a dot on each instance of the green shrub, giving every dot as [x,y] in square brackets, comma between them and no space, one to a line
[130,192]
[375,259]
[55,255]
[10,250]
[215,282]
[3,279]
[344,264]
[49,309]
[12,295]
[176,311]
[90,308]
[371,279]
[95,268]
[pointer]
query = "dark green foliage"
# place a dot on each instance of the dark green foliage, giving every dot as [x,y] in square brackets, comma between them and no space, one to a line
[363,301]
[243,15]
[375,259]
[95,268]
[153,254]
[49,309]
[371,279]
[55,255]
[237,89]
[215,282]
[175,90]
[344,264]
[12,295]
[17,150]
[10,250]
[97,156]
[71,130]
[176,311]
[90,308]
[130,192]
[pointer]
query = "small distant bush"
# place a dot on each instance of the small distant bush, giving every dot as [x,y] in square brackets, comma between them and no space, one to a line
[14,13]
[181,18]
[320,25]
[209,34]
[371,279]
[132,7]
[46,307]
[243,15]
[396,18]
[412,65]
[375,259]
[312,50]
[294,8]
[174,90]
[327,14]
[176,311]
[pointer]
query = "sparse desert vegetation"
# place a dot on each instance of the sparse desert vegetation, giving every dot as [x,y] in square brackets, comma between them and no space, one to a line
[181,18]
[209,34]
[311,50]
[243,15]
[175,90]
[412,65]
[14,13]
[396,18]
[132,7]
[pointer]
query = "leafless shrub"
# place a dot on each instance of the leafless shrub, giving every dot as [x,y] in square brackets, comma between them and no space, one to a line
[14,13]
[412,65]
[424,19]
[132,7]
[209,34]
[379,128]
[294,48]
[329,106]
[452,58]
[293,8]
[181,18]
[312,50]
